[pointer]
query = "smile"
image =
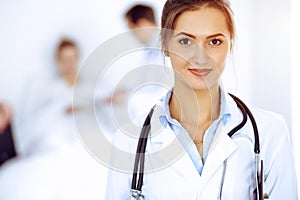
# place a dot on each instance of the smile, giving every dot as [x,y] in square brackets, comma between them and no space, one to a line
[200,72]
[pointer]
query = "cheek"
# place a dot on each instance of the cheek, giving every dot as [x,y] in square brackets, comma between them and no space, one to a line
[219,59]
[60,64]
[178,62]
[220,62]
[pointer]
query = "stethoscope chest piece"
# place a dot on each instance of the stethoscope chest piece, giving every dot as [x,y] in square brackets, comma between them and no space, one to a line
[136,195]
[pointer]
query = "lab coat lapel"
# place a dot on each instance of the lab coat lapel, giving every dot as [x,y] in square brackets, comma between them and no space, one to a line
[222,147]
[185,167]
[164,138]
[160,134]
[177,157]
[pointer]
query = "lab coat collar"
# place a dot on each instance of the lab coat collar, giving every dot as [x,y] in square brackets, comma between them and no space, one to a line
[160,133]
[159,136]
[222,147]
[178,158]
[236,115]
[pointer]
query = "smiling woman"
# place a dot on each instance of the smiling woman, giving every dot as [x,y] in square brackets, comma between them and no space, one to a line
[200,127]
[200,50]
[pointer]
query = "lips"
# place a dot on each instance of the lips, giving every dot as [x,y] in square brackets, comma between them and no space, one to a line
[200,72]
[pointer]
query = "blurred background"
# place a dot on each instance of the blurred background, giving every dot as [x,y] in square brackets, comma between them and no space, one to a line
[263,72]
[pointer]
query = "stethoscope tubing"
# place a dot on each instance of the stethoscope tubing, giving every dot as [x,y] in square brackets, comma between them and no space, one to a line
[140,153]
[142,143]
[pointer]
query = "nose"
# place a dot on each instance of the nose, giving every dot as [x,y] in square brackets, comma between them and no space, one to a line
[200,57]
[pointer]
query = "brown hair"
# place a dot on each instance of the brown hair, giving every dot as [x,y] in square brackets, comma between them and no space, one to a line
[174,8]
[64,42]
[140,11]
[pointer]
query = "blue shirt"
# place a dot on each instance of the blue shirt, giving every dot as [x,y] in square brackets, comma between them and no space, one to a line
[183,136]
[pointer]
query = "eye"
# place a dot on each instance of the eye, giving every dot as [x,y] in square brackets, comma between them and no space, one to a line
[185,41]
[215,42]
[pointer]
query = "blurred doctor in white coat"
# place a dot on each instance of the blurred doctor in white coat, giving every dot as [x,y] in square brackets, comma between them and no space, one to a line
[141,20]
[189,154]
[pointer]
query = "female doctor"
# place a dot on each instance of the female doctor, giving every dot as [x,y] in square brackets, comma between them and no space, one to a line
[189,153]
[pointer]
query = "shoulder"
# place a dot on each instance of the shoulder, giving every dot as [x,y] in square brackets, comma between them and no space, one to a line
[127,135]
[272,127]
[273,132]
[269,121]
[267,116]
[266,120]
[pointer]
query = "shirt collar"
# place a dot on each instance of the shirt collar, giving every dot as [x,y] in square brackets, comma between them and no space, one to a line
[165,118]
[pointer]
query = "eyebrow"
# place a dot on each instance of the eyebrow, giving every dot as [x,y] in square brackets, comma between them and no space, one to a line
[187,34]
[193,36]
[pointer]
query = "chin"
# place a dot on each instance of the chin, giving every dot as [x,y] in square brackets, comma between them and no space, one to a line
[200,88]
[200,84]
[197,84]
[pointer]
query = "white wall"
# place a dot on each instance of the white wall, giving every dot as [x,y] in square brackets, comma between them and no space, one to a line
[263,61]
[272,57]
[295,32]
[268,52]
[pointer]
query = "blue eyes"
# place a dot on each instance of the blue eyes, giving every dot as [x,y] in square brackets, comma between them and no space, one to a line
[185,41]
[213,42]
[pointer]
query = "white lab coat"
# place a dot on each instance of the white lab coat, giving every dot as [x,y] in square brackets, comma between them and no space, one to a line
[179,179]
[141,75]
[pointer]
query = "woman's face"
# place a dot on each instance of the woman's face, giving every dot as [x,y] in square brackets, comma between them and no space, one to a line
[198,48]
[68,60]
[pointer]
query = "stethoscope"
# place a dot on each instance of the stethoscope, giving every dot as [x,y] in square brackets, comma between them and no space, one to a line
[136,185]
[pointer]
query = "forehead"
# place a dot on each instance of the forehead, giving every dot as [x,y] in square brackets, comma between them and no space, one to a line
[68,48]
[204,21]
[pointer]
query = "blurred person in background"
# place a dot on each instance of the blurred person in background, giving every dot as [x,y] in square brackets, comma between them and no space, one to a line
[67,59]
[5,116]
[119,94]
[141,16]
[53,165]
[7,148]
[141,21]
[44,122]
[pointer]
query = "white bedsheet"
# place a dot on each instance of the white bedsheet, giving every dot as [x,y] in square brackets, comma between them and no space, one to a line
[66,173]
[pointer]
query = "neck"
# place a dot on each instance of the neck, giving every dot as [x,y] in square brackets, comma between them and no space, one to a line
[148,34]
[70,79]
[195,109]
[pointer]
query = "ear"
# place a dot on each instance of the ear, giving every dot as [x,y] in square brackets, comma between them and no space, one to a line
[166,53]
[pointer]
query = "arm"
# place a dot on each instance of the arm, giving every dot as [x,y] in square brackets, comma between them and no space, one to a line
[119,180]
[118,185]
